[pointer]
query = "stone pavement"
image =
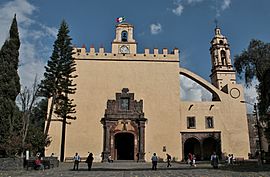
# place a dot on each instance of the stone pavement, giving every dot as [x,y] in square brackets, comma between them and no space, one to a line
[133,169]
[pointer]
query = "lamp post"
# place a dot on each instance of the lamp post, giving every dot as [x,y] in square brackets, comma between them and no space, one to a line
[260,160]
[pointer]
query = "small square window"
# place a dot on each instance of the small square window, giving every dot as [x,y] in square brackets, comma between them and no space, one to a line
[209,122]
[191,123]
[124,104]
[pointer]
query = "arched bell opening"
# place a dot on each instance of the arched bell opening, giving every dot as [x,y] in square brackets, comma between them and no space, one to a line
[124,36]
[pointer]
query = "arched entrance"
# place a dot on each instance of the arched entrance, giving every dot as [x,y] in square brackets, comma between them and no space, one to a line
[124,146]
[202,144]
[124,128]
[192,145]
[209,146]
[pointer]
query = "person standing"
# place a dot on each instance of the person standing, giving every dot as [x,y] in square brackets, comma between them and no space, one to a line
[110,160]
[89,161]
[138,157]
[169,158]
[194,160]
[214,160]
[77,160]
[154,161]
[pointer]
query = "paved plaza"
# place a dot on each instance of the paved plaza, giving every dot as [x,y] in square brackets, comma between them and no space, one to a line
[133,169]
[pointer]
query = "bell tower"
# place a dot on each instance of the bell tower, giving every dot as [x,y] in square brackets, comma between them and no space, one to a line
[222,72]
[124,42]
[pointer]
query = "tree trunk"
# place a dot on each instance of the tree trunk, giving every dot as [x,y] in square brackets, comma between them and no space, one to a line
[62,153]
[49,119]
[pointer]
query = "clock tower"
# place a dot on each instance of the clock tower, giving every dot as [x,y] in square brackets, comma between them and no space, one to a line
[124,42]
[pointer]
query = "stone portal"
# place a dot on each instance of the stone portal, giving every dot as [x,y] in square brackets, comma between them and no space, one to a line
[124,128]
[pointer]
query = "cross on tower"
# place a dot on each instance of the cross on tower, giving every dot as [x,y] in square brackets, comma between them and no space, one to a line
[216,22]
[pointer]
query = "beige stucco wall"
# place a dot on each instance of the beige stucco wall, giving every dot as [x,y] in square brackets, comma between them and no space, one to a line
[157,83]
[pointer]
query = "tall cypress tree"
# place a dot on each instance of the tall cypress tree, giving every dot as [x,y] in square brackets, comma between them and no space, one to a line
[9,85]
[58,81]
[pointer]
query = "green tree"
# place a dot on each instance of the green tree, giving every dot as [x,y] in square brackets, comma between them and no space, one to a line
[58,81]
[254,62]
[9,89]
[36,139]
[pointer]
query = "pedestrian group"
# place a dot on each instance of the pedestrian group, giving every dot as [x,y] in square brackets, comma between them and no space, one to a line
[191,160]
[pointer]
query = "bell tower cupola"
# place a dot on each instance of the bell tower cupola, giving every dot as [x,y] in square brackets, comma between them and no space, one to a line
[222,72]
[124,42]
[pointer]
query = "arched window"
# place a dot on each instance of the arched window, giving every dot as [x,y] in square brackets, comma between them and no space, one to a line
[221,42]
[124,36]
[223,57]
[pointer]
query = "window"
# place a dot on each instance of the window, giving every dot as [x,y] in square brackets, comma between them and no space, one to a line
[223,57]
[209,122]
[124,104]
[124,36]
[191,122]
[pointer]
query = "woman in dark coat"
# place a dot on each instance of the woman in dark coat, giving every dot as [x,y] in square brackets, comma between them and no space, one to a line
[89,161]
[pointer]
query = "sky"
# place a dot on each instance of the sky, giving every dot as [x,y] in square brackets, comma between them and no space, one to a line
[185,24]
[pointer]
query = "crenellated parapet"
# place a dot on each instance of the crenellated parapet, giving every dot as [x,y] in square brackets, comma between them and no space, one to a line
[124,48]
[100,53]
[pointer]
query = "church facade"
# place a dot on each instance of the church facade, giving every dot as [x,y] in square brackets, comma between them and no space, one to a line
[129,106]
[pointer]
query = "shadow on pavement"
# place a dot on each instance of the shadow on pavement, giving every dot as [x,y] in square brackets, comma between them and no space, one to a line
[247,168]
[235,168]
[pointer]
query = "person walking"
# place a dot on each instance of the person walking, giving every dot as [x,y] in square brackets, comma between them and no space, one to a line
[154,161]
[169,158]
[214,160]
[89,161]
[190,159]
[77,160]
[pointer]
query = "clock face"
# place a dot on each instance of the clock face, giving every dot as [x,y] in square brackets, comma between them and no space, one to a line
[124,49]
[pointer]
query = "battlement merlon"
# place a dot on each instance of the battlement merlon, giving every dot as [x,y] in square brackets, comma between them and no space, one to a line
[81,53]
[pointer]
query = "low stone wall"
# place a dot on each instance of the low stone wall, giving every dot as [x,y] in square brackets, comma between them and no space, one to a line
[11,163]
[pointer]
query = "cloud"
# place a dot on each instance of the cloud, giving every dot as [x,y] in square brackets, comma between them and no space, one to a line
[178,10]
[250,95]
[226,4]
[34,38]
[222,6]
[193,1]
[192,91]
[155,28]
[219,5]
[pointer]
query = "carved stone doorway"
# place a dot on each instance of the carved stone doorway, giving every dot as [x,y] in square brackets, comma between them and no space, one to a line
[124,123]
[124,146]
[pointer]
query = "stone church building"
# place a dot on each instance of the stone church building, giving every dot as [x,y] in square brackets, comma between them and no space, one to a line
[129,103]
